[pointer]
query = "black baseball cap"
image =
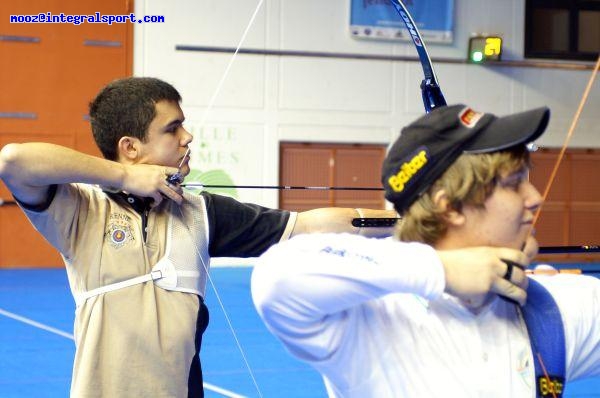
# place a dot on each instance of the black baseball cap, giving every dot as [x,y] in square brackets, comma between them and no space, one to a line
[429,146]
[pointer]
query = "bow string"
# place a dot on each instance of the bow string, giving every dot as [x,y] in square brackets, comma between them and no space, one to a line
[207,266]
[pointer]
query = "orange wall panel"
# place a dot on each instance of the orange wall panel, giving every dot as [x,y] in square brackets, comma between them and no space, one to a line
[20,245]
[48,78]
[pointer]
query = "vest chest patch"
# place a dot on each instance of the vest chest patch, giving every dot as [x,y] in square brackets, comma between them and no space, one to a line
[119,231]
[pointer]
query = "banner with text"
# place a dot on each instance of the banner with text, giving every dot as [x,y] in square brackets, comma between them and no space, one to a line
[378,19]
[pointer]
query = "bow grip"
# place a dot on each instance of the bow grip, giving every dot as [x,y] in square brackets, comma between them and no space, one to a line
[432,95]
[175,179]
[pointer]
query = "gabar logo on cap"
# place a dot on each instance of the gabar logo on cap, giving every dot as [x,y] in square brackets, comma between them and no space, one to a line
[427,147]
[408,169]
[469,118]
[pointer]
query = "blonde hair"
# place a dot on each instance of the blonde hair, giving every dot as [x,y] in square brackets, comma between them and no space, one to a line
[469,181]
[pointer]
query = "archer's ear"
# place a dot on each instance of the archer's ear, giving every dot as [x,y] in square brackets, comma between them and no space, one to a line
[128,149]
[452,216]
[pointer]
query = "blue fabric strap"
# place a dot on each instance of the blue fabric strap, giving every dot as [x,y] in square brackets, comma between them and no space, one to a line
[547,336]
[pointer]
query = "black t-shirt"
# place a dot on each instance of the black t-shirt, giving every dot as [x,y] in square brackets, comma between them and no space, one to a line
[242,229]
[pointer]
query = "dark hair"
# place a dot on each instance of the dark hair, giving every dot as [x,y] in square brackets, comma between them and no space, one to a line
[126,107]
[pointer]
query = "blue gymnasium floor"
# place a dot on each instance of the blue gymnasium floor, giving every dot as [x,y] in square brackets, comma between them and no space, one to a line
[36,349]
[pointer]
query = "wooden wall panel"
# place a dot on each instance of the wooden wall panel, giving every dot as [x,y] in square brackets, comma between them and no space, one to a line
[585,224]
[305,165]
[585,168]
[543,162]
[64,140]
[361,168]
[48,77]
[20,245]
[571,214]
[552,228]
[330,165]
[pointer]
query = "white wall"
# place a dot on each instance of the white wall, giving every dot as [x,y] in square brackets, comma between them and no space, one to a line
[266,99]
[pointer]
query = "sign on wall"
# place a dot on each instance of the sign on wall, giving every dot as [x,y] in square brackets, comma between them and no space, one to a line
[378,19]
[226,155]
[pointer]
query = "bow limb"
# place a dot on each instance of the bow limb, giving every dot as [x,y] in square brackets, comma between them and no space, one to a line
[430,90]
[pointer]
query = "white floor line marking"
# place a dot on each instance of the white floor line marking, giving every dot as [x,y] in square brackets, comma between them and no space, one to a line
[222,391]
[36,324]
[69,336]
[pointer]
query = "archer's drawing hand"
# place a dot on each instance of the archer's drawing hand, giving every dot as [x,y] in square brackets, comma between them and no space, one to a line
[473,273]
[150,181]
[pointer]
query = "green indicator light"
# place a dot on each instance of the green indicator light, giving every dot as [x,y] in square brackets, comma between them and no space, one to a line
[484,48]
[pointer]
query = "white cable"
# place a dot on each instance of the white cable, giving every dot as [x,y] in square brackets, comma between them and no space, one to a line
[202,122]
[226,73]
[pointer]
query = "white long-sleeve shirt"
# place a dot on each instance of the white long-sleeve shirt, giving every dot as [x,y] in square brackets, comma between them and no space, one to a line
[371,316]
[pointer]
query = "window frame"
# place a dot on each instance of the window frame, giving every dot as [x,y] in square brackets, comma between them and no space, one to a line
[573,7]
